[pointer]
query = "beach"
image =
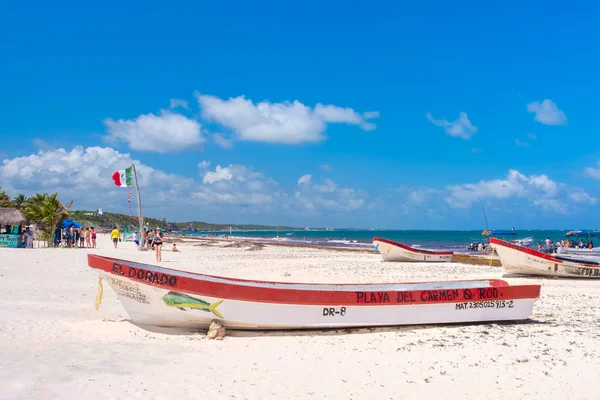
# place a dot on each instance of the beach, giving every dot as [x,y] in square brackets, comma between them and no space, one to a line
[55,345]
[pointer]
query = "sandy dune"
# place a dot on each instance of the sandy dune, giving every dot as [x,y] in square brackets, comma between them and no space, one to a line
[54,345]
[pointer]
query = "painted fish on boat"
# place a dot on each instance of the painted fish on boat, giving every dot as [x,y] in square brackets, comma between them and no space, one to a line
[183,301]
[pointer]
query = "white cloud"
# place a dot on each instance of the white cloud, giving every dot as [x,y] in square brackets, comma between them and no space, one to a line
[326,167]
[336,114]
[305,179]
[547,112]
[41,144]
[539,190]
[179,103]
[553,205]
[239,186]
[203,166]
[461,127]
[593,172]
[222,141]
[521,143]
[580,196]
[371,114]
[85,176]
[327,197]
[422,195]
[219,174]
[287,122]
[229,193]
[162,133]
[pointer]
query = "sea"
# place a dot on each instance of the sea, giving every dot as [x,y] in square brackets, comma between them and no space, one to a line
[455,240]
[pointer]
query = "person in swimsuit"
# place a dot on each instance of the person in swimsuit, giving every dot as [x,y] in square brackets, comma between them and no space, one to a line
[157,243]
[150,236]
[70,236]
[93,237]
[88,237]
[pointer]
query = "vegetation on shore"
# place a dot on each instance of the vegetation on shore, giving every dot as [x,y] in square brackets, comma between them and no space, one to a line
[45,210]
[108,220]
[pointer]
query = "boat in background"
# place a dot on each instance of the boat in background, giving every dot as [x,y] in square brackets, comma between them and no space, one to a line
[499,233]
[579,251]
[523,242]
[154,295]
[394,251]
[579,233]
[525,261]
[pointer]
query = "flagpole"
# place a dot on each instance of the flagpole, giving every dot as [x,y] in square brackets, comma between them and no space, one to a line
[142,236]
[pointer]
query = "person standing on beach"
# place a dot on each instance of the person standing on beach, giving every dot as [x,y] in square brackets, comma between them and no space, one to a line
[71,235]
[115,236]
[157,243]
[93,237]
[149,237]
[88,236]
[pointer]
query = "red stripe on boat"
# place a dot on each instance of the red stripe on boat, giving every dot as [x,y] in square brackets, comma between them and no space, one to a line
[241,290]
[415,250]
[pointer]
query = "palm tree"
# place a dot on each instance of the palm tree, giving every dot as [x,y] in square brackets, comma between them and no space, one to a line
[20,201]
[47,211]
[5,200]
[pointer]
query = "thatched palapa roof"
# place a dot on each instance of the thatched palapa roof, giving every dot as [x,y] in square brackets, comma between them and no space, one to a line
[11,216]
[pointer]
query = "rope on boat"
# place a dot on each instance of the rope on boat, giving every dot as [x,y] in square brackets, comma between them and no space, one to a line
[492,256]
[99,293]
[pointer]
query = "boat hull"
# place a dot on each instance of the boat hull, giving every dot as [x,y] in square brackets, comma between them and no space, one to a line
[524,261]
[164,297]
[580,252]
[394,251]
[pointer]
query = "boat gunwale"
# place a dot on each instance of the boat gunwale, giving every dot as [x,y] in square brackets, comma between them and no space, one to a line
[493,282]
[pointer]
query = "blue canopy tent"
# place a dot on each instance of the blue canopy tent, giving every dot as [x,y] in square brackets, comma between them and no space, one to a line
[67,224]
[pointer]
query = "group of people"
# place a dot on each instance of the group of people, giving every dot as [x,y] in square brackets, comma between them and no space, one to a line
[76,237]
[25,236]
[550,246]
[154,239]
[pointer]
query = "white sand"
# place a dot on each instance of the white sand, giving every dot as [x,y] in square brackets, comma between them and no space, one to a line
[54,345]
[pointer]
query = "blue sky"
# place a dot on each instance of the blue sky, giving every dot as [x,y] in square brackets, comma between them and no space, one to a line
[98,81]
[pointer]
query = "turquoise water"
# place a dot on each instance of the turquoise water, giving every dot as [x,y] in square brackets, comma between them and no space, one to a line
[455,240]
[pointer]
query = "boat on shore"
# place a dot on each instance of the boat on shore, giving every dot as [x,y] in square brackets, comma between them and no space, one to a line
[154,295]
[525,261]
[394,251]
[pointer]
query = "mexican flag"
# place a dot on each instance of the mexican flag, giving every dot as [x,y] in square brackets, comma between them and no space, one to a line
[123,177]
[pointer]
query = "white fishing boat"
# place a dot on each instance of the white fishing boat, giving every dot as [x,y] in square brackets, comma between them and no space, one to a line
[595,252]
[394,251]
[525,261]
[154,295]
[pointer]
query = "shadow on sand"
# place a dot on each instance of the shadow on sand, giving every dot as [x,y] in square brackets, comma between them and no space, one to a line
[336,331]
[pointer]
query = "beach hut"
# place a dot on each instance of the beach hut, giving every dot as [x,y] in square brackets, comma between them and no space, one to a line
[11,217]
